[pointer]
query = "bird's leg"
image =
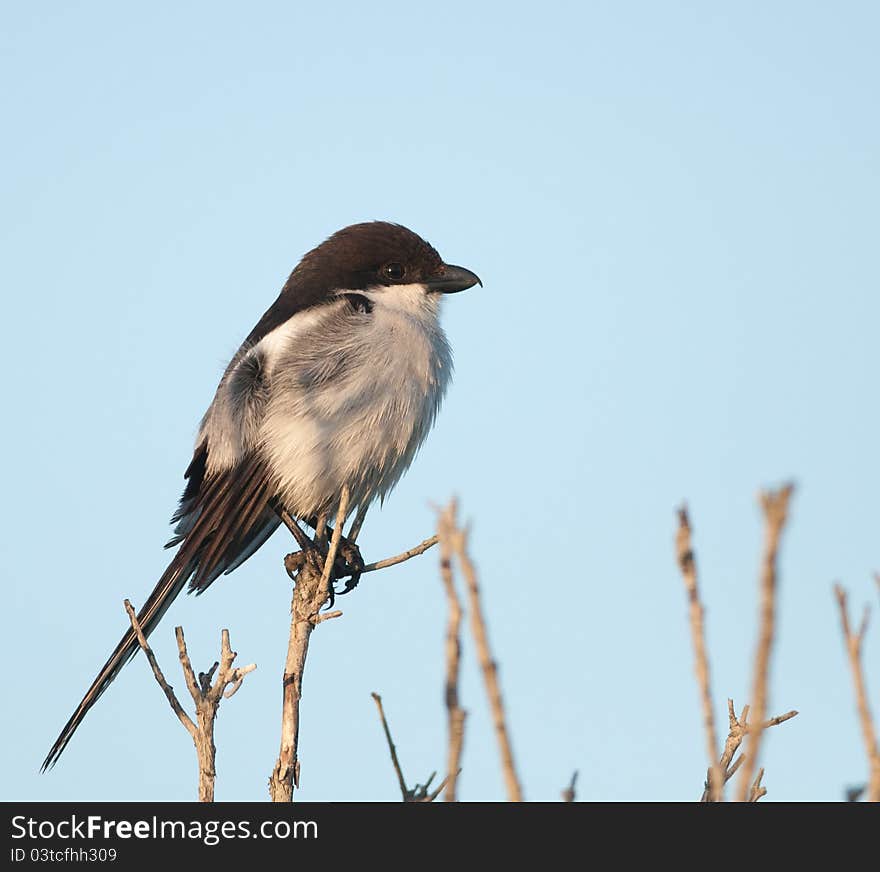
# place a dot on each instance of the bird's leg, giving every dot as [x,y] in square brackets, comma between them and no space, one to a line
[356,525]
[348,562]
[322,531]
[294,562]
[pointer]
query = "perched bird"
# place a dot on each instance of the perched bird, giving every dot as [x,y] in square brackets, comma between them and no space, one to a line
[336,387]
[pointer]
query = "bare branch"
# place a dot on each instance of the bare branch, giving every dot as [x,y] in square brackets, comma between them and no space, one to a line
[206,696]
[732,771]
[775,507]
[330,559]
[313,587]
[419,793]
[192,683]
[455,713]
[853,642]
[327,616]
[356,524]
[312,571]
[404,790]
[757,790]
[296,558]
[688,565]
[739,729]
[308,598]
[421,548]
[779,719]
[167,689]
[458,546]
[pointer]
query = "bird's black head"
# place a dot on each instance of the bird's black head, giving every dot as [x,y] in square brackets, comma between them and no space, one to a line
[377,254]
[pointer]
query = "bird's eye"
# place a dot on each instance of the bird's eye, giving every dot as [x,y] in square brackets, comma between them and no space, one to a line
[393,271]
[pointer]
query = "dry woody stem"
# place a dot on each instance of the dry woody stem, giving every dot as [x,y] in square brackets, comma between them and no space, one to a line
[739,728]
[853,641]
[312,570]
[688,565]
[311,591]
[455,715]
[457,540]
[568,795]
[419,793]
[421,548]
[775,508]
[206,696]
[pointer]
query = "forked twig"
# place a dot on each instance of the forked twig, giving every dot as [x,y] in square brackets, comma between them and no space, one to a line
[206,696]
[419,793]
[853,641]
[739,728]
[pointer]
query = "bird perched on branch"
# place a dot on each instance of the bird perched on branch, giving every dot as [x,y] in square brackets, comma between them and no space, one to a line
[334,389]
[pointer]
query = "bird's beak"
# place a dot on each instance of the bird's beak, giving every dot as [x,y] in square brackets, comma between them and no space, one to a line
[452,280]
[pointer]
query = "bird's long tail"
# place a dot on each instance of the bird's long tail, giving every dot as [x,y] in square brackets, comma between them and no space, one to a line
[224,519]
[168,587]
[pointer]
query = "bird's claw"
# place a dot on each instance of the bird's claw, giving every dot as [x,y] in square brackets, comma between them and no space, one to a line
[348,565]
[349,562]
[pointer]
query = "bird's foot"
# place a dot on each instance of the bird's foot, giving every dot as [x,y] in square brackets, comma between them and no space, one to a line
[347,566]
[350,563]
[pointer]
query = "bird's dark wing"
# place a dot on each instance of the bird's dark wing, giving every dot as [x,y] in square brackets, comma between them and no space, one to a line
[227,516]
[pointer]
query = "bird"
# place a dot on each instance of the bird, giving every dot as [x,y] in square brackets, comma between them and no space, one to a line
[335,389]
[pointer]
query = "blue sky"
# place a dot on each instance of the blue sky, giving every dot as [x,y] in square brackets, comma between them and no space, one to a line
[673,209]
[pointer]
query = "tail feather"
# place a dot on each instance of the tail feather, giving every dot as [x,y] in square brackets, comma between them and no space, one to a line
[168,587]
[226,517]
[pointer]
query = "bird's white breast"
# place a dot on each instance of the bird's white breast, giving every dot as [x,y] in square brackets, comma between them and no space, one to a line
[353,397]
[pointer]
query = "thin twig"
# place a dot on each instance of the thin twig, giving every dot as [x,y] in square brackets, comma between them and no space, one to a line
[739,729]
[327,616]
[394,761]
[357,523]
[296,558]
[757,790]
[167,689]
[775,507]
[419,793]
[206,697]
[421,548]
[455,715]
[853,642]
[688,565]
[568,795]
[458,546]
[731,772]
[330,559]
